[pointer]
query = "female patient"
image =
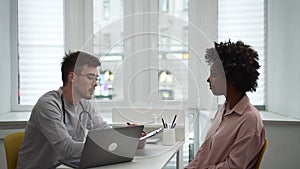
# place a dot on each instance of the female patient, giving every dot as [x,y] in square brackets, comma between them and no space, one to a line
[237,134]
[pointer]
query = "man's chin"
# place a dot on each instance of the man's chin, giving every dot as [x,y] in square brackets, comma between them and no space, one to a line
[88,97]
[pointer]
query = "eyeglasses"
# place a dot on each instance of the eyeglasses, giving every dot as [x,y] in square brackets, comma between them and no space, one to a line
[91,77]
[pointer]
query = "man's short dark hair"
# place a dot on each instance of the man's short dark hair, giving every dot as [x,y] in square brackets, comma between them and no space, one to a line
[74,62]
[239,61]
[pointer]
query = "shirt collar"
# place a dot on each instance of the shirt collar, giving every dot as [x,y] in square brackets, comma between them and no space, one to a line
[240,107]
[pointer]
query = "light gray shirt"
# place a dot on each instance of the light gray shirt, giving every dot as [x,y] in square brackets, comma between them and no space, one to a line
[51,134]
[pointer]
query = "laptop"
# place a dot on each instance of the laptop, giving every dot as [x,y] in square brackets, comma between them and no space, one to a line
[107,146]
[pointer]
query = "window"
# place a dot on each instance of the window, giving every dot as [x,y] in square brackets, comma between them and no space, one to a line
[173,51]
[108,46]
[106,9]
[40,48]
[164,5]
[120,50]
[185,5]
[172,48]
[245,20]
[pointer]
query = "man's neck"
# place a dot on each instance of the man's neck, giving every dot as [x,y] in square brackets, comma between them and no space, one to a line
[69,96]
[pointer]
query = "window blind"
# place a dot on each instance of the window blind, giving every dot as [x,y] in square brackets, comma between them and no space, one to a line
[40,48]
[245,20]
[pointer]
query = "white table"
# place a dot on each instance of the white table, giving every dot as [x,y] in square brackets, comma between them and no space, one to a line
[153,156]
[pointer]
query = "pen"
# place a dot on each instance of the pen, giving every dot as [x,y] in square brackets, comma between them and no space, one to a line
[164,124]
[173,123]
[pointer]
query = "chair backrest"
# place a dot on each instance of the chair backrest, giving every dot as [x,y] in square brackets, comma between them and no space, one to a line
[12,144]
[261,154]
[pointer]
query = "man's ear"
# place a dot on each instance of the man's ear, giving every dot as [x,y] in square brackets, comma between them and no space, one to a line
[71,77]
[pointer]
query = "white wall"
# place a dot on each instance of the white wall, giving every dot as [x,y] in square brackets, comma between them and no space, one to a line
[283,149]
[5,64]
[283,83]
[284,57]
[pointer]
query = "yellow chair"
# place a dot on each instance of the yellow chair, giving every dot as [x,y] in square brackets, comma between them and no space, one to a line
[12,144]
[261,154]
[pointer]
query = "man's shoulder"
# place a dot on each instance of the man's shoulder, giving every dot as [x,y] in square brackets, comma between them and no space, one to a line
[49,102]
[51,97]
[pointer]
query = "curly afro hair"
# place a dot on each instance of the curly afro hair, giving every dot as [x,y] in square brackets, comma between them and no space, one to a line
[239,61]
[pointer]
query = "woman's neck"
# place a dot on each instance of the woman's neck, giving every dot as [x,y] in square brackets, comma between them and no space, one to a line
[233,98]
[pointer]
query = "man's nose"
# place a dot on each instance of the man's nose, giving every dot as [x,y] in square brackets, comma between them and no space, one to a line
[95,83]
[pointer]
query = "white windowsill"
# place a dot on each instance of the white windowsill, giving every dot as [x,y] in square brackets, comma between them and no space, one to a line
[276,117]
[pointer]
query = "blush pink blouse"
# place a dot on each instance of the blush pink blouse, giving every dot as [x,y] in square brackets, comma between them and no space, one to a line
[233,141]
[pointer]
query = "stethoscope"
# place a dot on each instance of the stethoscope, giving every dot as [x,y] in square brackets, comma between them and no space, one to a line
[80,115]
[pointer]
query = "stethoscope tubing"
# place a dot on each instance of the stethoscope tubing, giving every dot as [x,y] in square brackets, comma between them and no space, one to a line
[83,111]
